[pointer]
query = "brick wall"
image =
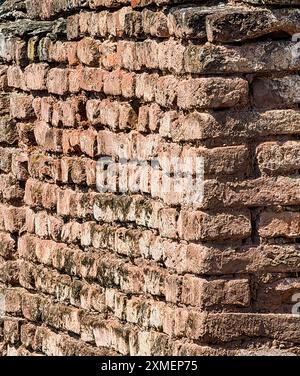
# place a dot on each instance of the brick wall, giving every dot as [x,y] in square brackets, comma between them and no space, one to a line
[144,272]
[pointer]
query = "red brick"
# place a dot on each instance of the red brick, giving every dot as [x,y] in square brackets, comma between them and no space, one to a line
[128,84]
[214,226]
[11,331]
[35,76]
[4,104]
[73,26]
[43,108]
[33,193]
[219,292]
[71,52]
[109,56]
[112,83]
[127,55]
[84,22]
[168,223]
[21,106]
[13,49]
[16,77]
[58,52]
[88,141]
[89,79]
[88,51]
[274,157]
[6,159]
[213,92]
[69,112]
[57,81]
[19,166]
[285,224]
[47,137]
[49,196]
[10,188]
[8,132]
[9,272]
[146,86]
[8,245]
[25,134]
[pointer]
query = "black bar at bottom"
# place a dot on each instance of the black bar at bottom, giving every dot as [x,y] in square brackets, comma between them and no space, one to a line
[97,366]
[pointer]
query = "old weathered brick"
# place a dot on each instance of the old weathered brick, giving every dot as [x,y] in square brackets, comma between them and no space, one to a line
[57,81]
[16,77]
[8,132]
[200,125]
[198,225]
[282,292]
[89,79]
[12,49]
[273,157]
[284,224]
[228,160]
[8,245]
[264,191]
[4,104]
[224,27]
[88,51]
[205,294]
[69,112]
[35,76]
[73,26]
[10,188]
[114,114]
[6,159]
[276,92]
[47,137]
[21,106]
[212,93]
[239,325]
[271,56]
[189,21]
[14,218]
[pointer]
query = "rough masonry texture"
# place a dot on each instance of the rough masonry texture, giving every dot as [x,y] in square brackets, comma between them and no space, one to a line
[85,272]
